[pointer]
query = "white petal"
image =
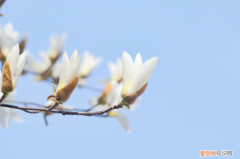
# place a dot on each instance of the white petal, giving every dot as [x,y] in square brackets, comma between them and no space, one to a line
[56,70]
[122,119]
[49,103]
[72,71]
[117,98]
[142,77]
[15,116]
[4,117]
[12,57]
[103,82]
[20,65]
[74,56]
[10,97]
[81,82]
[54,89]
[88,63]
[45,58]
[112,93]
[112,68]
[137,67]
[64,69]
[93,101]
[101,107]
[68,108]
[127,68]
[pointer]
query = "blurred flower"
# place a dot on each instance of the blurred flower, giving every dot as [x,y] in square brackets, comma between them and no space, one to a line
[43,69]
[22,43]
[35,66]
[55,72]
[88,63]
[56,46]
[7,113]
[47,68]
[115,71]
[12,69]
[68,78]
[8,38]
[135,76]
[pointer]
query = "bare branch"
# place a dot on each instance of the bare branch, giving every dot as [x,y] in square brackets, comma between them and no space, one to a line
[37,110]
[46,106]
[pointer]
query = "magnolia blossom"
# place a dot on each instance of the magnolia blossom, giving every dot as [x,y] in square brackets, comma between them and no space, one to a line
[12,69]
[8,38]
[88,63]
[68,78]
[43,68]
[38,67]
[56,46]
[7,113]
[135,76]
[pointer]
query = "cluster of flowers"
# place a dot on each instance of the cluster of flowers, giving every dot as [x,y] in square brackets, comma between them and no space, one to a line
[128,80]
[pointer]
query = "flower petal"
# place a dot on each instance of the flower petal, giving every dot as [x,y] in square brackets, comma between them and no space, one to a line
[101,107]
[127,69]
[64,69]
[13,55]
[20,65]
[137,67]
[72,70]
[54,89]
[143,75]
[15,116]
[10,97]
[122,119]
[4,117]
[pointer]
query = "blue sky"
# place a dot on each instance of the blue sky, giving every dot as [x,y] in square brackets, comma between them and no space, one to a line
[192,100]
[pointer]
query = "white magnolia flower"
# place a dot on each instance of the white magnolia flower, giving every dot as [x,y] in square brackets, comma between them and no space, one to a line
[56,46]
[12,69]
[8,38]
[7,113]
[88,63]
[135,76]
[68,78]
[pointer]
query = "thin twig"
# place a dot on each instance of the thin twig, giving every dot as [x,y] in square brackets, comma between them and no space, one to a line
[89,113]
[46,106]
[54,106]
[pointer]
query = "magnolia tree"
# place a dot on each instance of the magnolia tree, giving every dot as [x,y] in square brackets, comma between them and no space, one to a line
[123,90]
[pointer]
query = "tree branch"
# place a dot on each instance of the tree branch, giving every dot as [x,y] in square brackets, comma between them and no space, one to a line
[37,110]
[46,106]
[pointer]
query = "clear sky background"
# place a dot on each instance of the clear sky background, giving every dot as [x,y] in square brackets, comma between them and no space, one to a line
[193,97]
